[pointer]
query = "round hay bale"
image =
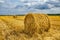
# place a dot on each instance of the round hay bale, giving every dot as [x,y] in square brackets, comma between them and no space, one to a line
[36,23]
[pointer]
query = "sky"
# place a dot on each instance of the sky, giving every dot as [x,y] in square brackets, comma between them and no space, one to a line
[15,7]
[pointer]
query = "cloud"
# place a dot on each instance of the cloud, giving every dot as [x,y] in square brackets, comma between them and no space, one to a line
[56,3]
[43,6]
[9,4]
[23,6]
[1,1]
[47,5]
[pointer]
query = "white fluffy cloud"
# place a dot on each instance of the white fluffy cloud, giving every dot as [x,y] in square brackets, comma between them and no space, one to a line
[1,1]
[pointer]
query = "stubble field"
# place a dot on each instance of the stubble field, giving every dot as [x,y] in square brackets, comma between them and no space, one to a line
[12,28]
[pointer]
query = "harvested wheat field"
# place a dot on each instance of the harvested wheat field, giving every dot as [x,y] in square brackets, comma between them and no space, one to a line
[30,27]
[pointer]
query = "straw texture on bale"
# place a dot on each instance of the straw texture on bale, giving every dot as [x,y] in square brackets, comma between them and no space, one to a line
[36,23]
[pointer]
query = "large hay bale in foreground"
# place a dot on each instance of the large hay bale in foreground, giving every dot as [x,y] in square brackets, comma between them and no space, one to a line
[36,23]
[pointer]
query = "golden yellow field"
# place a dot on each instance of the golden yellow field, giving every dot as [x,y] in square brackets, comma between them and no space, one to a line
[12,28]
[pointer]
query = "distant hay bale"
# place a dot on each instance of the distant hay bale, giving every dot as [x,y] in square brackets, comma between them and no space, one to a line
[36,23]
[19,17]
